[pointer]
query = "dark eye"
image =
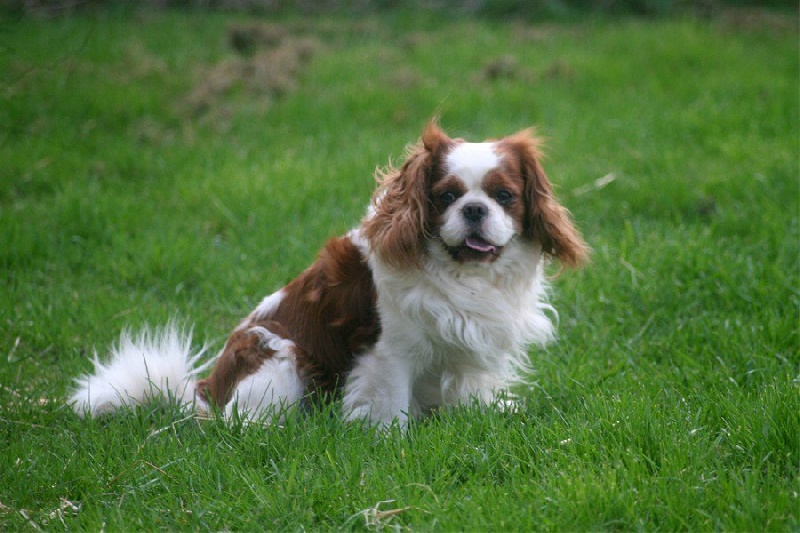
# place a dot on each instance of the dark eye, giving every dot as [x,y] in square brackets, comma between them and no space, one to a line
[447,198]
[503,197]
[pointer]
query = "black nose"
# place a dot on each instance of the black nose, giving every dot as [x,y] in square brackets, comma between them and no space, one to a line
[475,212]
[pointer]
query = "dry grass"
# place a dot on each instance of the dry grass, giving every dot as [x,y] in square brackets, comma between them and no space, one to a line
[269,64]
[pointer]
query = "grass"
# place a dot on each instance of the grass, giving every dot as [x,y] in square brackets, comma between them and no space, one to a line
[670,402]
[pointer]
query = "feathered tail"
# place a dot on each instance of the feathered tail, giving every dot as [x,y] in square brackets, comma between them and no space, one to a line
[154,363]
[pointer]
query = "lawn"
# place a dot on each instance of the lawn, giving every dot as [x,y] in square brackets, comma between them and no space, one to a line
[148,170]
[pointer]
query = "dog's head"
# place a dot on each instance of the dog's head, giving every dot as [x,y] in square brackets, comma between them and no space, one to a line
[471,199]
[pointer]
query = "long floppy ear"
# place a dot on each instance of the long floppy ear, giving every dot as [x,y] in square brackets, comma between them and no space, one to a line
[397,224]
[546,220]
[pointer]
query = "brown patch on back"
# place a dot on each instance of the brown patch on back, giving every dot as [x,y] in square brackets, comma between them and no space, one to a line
[328,312]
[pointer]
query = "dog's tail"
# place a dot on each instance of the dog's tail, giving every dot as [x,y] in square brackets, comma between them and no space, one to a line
[154,364]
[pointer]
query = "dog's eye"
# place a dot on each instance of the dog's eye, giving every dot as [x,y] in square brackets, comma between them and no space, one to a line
[503,197]
[447,198]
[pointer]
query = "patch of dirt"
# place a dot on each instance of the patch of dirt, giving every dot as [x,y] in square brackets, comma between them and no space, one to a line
[508,67]
[405,78]
[247,38]
[743,19]
[139,64]
[268,63]
[503,67]
[545,31]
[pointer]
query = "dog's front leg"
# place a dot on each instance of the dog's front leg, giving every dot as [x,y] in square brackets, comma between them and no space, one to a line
[379,389]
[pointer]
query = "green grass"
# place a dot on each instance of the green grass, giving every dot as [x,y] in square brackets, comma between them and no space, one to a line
[670,402]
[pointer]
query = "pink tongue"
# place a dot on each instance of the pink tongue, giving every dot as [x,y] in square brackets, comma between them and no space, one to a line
[480,245]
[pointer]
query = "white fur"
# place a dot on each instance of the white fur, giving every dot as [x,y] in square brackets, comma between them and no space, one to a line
[471,162]
[153,364]
[269,304]
[274,386]
[450,333]
[161,364]
[358,240]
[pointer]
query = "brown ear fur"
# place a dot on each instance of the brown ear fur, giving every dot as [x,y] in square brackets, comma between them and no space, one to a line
[547,221]
[397,228]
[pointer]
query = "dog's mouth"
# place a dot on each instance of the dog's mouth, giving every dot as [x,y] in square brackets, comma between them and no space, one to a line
[475,249]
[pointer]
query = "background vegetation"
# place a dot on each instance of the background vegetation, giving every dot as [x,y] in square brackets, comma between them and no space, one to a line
[159,163]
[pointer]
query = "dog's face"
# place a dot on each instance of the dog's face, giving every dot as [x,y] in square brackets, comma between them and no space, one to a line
[473,200]
[477,204]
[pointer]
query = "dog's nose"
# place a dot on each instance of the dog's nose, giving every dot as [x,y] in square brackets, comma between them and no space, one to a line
[475,212]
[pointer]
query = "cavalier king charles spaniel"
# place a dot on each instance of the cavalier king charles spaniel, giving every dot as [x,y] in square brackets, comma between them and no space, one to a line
[431,301]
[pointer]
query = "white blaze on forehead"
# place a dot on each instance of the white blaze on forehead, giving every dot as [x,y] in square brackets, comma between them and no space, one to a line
[471,162]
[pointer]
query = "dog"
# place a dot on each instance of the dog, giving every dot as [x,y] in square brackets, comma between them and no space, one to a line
[431,301]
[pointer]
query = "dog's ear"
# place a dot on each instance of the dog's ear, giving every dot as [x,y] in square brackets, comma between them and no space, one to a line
[397,224]
[546,220]
[434,140]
